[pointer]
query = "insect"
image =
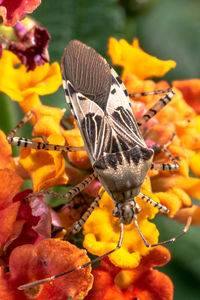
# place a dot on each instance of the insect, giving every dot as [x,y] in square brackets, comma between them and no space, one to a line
[118,153]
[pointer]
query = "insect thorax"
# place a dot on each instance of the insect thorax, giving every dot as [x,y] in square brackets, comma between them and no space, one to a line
[122,173]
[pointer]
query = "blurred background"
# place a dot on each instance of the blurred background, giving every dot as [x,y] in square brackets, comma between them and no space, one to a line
[167,29]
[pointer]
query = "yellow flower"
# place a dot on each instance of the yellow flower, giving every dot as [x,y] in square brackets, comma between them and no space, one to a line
[45,168]
[24,87]
[102,231]
[135,61]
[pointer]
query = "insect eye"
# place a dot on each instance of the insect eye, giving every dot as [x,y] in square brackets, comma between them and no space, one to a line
[137,209]
[115,212]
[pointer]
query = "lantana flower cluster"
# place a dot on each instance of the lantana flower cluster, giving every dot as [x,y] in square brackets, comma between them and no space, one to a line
[30,249]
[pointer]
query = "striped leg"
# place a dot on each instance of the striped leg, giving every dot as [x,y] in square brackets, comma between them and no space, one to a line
[28,143]
[38,282]
[25,119]
[185,229]
[78,225]
[166,166]
[71,193]
[155,109]
[162,209]
[143,94]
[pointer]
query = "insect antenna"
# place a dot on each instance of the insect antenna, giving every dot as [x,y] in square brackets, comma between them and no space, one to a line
[185,229]
[45,280]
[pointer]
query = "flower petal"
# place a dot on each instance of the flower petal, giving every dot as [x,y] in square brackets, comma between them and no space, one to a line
[46,168]
[6,161]
[47,120]
[8,217]
[78,158]
[190,185]
[10,185]
[190,89]
[102,232]
[187,131]
[18,84]
[135,61]
[142,282]
[13,12]
[195,164]
[49,257]
[174,199]
[183,214]
[32,47]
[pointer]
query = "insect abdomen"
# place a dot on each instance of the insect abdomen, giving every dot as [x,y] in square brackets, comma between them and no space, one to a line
[123,173]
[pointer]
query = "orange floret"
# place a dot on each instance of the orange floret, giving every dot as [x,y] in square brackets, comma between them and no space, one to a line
[190,89]
[141,283]
[28,263]
[6,161]
[46,168]
[47,120]
[80,158]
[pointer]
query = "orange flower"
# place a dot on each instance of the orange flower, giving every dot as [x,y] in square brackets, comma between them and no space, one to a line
[6,161]
[29,263]
[190,88]
[21,219]
[13,12]
[46,168]
[47,120]
[174,189]
[141,283]
[101,231]
[27,221]
[80,158]
[10,185]
[194,212]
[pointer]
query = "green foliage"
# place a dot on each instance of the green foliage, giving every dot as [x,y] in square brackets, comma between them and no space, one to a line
[184,267]
[90,21]
[171,31]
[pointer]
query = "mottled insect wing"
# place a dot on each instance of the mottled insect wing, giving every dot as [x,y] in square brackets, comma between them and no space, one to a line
[87,82]
[121,117]
[88,72]
[90,120]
